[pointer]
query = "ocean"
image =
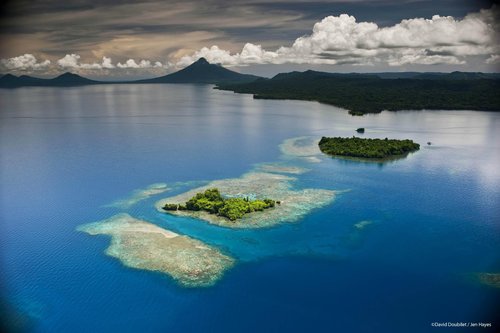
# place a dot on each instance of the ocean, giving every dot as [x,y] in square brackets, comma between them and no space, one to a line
[399,249]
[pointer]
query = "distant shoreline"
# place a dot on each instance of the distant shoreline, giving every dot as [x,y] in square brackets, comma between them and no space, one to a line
[356,92]
[363,94]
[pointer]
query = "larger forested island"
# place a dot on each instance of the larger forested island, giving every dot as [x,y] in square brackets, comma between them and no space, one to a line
[373,93]
[367,148]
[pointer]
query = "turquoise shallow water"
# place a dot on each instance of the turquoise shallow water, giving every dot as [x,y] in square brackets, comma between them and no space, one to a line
[66,154]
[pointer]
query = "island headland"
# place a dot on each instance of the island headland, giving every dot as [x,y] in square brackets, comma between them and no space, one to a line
[374,93]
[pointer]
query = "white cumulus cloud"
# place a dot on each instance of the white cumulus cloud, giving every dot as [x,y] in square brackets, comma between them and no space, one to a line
[69,61]
[250,54]
[106,63]
[24,62]
[131,63]
[341,39]
[73,61]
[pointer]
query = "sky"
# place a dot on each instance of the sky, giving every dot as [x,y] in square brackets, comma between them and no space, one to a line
[136,39]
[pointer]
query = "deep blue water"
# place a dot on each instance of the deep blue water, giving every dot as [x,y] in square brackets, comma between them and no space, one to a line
[68,152]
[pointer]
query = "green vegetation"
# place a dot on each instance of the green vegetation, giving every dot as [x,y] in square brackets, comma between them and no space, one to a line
[361,94]
[213,202]
[366,148]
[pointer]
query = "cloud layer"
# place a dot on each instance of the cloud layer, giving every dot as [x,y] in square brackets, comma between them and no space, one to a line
[338,40]
[335,40]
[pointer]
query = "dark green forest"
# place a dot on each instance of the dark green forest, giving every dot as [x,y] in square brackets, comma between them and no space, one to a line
[366,148]
[213,202]
[365,93]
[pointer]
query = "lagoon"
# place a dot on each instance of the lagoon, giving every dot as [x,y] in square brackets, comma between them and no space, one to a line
[71,156]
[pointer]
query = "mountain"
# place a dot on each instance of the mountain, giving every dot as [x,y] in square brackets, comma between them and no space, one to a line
[202,71]
[71,79]
[12,81]
[63,80]
[369,93]
[8,80]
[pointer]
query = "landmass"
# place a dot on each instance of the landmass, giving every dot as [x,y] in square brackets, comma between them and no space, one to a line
[213,202]
[201,71]
[256,186]
[373,93]
[64,80]
[366,148]
[358,93]
[143,245]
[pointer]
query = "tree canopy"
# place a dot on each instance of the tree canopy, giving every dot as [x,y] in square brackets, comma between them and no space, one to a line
[213,202]
[366,148]
[363,93]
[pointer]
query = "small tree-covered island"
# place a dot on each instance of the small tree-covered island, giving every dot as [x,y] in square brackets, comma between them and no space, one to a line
[367,148]
[213,202]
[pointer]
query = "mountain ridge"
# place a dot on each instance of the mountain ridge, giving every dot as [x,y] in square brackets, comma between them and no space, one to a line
[64,80]
[200,71]
[203,72]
